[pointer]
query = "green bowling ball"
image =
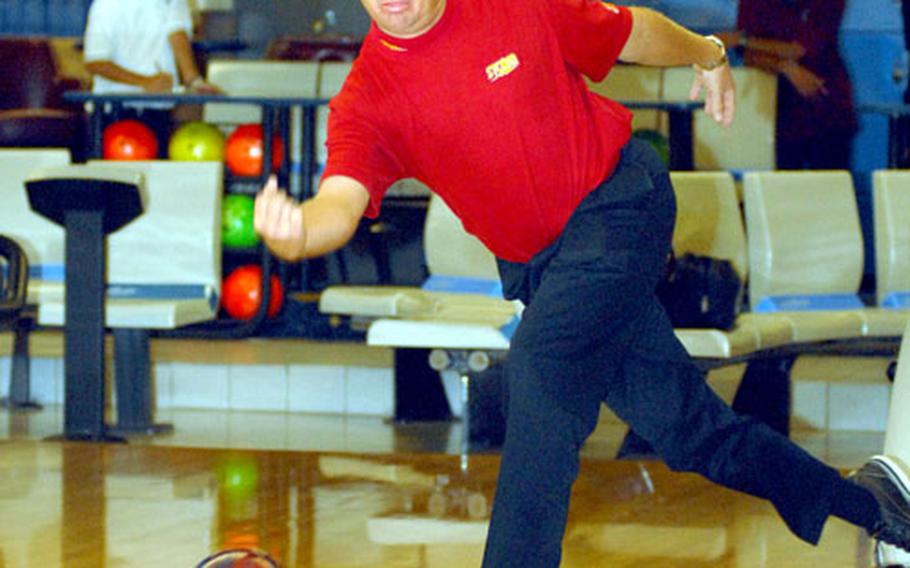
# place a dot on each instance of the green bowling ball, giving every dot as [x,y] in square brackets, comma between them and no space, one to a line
[196,141]
[657,140]
[237,222]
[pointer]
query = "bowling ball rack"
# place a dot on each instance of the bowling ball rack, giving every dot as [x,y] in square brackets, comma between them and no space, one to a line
[298,178]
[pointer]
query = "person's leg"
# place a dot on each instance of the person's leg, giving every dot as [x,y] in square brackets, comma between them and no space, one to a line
[593,330]
[582,295]
[666,400]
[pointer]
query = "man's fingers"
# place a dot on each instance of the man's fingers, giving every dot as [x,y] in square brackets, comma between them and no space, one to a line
[263,201]
[270,209]
[283,221]
[717,106]
[729,107]
[297,222]
[274,207]
[695,89]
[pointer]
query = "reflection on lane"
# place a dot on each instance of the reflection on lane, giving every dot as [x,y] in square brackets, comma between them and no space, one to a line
[110,506]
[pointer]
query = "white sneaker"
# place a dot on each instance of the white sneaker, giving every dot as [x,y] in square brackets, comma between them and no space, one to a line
[887,556]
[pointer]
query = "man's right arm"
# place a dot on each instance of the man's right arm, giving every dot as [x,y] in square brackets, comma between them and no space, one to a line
[318,226]
[158,83]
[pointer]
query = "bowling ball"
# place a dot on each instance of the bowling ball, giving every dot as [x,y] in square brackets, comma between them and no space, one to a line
[241,291]
[657,140]
[243,153]
[196,141]
[237,221]
[238,558]
[129,140]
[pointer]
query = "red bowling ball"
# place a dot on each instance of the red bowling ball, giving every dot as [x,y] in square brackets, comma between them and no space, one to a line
[129,140]
[241,292]
[244,151]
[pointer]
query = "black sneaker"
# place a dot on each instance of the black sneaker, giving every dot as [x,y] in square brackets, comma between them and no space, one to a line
[890,485]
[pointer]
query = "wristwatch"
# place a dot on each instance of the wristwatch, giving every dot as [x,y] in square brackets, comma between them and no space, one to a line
[723,54]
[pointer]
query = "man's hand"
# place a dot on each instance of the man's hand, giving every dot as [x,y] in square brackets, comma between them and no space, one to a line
[806,82]
[202,87]
[159,83]
[279,220]
[720,92]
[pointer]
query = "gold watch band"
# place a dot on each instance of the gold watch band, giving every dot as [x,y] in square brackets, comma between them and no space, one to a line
[723,54]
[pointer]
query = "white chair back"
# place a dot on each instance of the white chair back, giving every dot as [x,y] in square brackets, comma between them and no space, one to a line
[748,144]
[891,213]
[709,219]
[450,250]
[257,78]
[42,240]
[178,238]
[634,83]
[804,233]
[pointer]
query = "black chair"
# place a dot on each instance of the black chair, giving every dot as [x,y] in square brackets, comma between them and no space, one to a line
[15,314]
[33,113]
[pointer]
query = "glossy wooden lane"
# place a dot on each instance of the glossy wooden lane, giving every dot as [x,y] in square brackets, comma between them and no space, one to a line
[88,505]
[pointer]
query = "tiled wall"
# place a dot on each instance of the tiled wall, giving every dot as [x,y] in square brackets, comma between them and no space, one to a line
[834,404]
[276,388]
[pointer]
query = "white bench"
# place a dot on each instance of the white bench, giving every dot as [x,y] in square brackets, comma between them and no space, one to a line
[806,256]
[163,269]
[891,217]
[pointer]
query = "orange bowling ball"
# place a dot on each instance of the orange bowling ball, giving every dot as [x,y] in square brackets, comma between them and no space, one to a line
[241,292]
[129,140]
[244,151]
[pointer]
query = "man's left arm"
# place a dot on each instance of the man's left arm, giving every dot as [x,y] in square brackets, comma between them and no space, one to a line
[186,64]
[658,41]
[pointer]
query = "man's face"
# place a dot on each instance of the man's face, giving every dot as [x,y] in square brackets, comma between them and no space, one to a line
[404,18]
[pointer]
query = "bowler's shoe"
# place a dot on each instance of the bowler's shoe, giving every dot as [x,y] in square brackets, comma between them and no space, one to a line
[889,483]
[887,556]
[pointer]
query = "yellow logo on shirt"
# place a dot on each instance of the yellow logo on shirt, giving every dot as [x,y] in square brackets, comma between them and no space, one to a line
[501,68]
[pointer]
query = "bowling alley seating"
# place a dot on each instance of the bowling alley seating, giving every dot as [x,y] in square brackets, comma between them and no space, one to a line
[38,238]
[256,78]
[459,306]
[13,295]
[708,223]
[891,207]
[32,110]
[164,268]
[806,256]
[747,144]
[469,331]
[634,83]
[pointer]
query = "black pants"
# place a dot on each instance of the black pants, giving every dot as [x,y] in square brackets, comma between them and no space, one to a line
[592,332]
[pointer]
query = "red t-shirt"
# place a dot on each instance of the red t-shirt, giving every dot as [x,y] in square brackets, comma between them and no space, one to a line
[489,109]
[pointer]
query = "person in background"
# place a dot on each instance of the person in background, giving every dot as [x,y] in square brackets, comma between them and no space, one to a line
[134,46]
[485,101]
[797,40]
